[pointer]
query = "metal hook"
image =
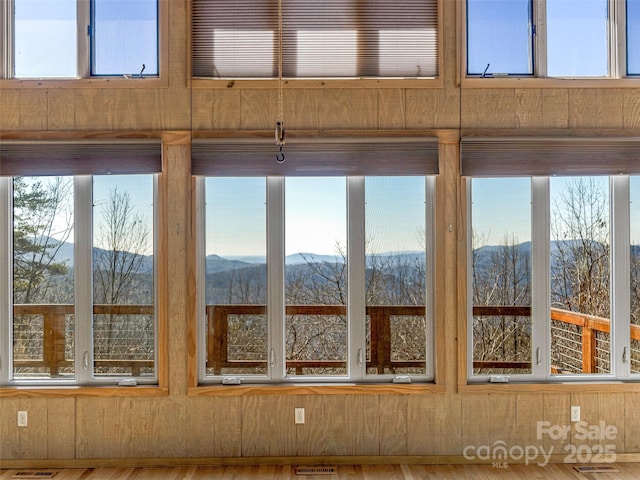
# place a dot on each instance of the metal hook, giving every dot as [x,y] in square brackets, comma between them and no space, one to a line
[280,141]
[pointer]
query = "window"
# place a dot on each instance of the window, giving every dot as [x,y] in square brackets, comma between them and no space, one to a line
[501,324]
[78,273]
[314,278]
[75,39]
[633,37]
[344,38]
[492,24]
[552,262]
[551,38]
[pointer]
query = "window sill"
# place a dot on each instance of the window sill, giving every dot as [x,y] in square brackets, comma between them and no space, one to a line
[530,82]
[83,391]
[97,82]
[559,387]
[271,83]
[317,389]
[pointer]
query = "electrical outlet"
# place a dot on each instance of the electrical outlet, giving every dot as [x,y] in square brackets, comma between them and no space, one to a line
[299,416]
[22,418]
[575,413]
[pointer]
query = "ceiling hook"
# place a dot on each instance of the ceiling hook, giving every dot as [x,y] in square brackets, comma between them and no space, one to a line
[280,141]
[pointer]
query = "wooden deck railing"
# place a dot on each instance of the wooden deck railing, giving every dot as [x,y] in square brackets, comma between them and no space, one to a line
[380,342]
[589,326]
[54,336]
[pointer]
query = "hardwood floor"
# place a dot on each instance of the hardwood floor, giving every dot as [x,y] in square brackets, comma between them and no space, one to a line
[623,471]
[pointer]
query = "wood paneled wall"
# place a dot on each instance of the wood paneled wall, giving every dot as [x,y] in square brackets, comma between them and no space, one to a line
[179,425]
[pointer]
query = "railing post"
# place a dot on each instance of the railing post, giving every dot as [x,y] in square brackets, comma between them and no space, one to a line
[220,330]
[380,338]
[589,358]
[53,341]
[385,351]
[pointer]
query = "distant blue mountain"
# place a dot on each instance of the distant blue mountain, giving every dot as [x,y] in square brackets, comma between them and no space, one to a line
[65,254]
[215,264]
[299,258]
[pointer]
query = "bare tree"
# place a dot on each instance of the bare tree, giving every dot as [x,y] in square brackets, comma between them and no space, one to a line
[42,223]
[580,271]
[317,282]
[501,277]
[580,257]
[122,242]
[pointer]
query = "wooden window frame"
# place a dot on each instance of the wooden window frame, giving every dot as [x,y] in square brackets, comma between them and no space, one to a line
[217,157]
[149,151]
[500,159]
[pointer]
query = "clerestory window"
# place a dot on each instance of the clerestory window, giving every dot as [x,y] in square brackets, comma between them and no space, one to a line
[78,271]
[315,278]
[553,38]
[79,38]
[342,38]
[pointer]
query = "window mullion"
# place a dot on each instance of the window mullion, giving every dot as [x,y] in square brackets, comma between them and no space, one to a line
[540,287]
[6,33]
[201,302]
[5,280]
[469,279]
[618,24]
[356,310]
[275,274]
[612,31]
[83,276]
[84,39]
[540,38]
[430,200]
[620,318]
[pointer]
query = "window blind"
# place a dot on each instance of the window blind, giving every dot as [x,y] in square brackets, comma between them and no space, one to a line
[303,157]
[324,38]
[80,157]
[507,157]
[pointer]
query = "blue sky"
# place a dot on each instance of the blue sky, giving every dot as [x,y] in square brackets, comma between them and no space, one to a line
[502,207]
[633,36]
[316,216]
[45,38]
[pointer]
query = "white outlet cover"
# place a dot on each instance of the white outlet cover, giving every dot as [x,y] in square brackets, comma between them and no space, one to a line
[575,413]
[22,418]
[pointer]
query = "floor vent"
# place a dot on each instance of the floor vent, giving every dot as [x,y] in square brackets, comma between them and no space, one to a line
[319,470]
[595,469]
